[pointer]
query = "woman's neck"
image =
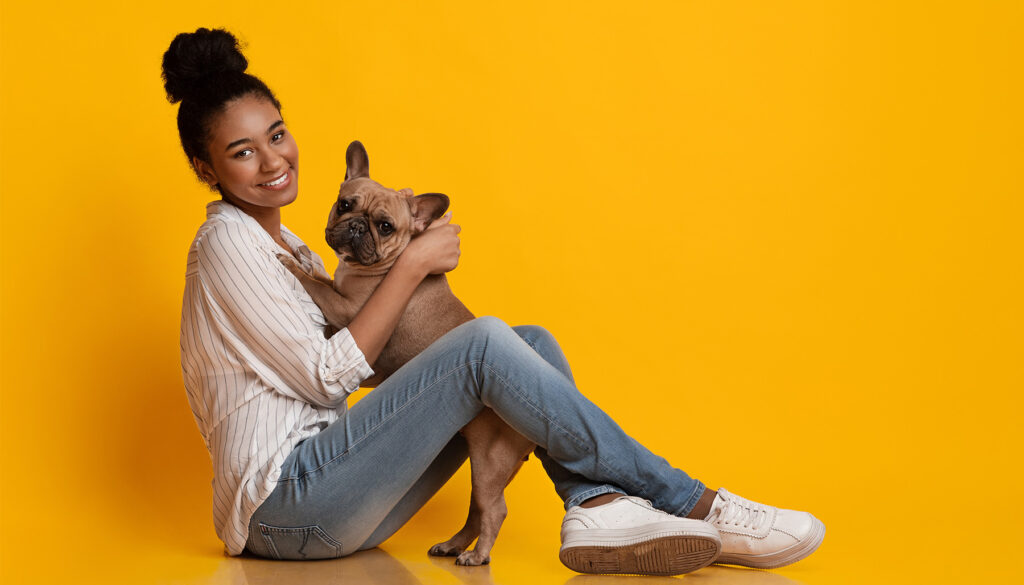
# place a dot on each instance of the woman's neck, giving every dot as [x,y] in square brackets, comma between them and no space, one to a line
[269,218]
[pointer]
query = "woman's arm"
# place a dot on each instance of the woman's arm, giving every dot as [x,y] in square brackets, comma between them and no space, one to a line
[435,251]
[243,301]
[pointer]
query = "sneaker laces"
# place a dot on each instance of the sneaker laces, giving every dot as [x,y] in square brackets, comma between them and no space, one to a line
[740,511]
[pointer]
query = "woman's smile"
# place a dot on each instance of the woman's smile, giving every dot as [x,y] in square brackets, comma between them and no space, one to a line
[278,183]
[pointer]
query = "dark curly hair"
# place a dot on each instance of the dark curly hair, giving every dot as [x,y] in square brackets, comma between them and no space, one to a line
[205,70]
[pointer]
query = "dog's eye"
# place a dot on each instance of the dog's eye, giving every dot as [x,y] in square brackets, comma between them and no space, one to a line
[385,228]
[343,206]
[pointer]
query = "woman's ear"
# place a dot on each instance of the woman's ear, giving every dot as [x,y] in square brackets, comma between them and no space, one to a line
[205,172]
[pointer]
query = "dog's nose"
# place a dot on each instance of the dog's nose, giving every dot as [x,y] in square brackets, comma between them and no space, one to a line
[357,227]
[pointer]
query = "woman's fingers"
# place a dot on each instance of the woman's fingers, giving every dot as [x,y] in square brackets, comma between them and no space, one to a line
[437,249]
[441,220]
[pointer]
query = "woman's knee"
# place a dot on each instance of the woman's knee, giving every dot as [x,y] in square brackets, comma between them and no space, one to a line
[535,336]
[486,327]
[492,341]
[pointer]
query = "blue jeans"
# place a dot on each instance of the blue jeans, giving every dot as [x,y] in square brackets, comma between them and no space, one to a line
[359,480]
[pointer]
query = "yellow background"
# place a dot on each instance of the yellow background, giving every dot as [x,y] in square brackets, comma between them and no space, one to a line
[779,242]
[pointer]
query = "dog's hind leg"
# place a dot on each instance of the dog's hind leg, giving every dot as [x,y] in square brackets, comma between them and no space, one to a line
[496,452]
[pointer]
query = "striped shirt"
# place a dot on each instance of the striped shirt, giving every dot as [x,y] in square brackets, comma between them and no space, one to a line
[259,373]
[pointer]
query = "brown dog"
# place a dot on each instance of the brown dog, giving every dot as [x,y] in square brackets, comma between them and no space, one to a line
[368,227]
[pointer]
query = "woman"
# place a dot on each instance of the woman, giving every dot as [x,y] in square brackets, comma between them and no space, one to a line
[299,476]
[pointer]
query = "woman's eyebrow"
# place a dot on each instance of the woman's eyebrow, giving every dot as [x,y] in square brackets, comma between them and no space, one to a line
[238,142]
[241,141]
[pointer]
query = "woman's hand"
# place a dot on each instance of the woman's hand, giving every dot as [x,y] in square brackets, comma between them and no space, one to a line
[436,250]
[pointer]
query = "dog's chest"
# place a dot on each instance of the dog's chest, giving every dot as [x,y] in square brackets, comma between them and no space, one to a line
[432,312]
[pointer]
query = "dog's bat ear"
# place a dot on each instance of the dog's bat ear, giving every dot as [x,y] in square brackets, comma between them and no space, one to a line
[357,163]
[425,209]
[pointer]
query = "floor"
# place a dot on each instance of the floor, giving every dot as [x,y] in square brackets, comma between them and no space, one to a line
[136,545]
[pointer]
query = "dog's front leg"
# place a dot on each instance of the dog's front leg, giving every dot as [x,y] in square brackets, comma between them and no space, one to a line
[337,309]
[455,545]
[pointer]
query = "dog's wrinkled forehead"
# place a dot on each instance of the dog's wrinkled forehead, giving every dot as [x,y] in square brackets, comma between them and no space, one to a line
[367,197]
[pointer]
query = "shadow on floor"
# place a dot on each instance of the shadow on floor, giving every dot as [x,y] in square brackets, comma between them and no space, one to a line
[377,567]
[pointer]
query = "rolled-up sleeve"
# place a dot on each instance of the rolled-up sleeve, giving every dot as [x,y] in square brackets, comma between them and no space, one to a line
[254,302]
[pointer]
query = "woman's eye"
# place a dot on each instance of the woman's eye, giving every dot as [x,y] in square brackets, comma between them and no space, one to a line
[385,228]
[278,136]
[243,153]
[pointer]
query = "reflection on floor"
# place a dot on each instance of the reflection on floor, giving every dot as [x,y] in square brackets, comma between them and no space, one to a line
[378,567]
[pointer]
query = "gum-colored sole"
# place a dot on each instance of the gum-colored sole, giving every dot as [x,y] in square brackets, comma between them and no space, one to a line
[669,555]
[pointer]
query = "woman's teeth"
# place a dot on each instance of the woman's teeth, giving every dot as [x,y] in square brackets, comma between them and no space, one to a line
[276,181]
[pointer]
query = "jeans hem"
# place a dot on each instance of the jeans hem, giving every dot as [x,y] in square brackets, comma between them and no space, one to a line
[592,492]
[698,491]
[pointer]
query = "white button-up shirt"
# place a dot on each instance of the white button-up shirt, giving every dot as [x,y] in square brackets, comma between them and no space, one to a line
[259,373]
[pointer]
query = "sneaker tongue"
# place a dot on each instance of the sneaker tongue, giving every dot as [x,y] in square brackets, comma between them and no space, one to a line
[716,506]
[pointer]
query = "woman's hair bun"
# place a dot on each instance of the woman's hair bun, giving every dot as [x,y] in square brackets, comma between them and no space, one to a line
[193,56]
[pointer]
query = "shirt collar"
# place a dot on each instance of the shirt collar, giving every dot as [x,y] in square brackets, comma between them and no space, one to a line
[226,210]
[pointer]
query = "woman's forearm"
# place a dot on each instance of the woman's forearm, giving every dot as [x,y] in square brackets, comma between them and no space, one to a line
[376,320]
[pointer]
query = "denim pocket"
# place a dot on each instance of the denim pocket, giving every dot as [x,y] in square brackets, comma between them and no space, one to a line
[302,543]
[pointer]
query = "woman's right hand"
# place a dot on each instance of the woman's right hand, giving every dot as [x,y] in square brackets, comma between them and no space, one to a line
[436,250]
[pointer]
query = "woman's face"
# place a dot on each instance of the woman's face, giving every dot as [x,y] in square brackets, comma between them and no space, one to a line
[253,158]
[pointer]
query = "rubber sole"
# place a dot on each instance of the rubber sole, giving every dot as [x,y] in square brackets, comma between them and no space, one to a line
[798,551]
[667,555]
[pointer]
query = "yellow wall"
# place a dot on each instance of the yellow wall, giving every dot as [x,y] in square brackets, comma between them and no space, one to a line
[779,241]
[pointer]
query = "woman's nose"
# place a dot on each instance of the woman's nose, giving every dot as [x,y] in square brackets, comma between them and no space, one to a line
[273,162]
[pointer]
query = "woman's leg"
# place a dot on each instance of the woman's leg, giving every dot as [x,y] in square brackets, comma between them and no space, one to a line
[340,485]
[571,487]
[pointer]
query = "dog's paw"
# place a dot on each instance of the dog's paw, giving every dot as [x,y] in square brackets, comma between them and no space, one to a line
[472,558]
[287,259]
[291,264]
[443,549]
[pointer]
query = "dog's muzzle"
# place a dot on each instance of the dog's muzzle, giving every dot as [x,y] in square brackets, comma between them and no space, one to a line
[353,236]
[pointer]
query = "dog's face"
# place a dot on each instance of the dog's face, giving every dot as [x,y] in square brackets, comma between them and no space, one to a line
[369,225]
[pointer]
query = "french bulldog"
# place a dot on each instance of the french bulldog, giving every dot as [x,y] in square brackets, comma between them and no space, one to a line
[368,227]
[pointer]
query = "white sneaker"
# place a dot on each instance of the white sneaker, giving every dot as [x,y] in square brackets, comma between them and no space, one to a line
[628,535]
[756,535]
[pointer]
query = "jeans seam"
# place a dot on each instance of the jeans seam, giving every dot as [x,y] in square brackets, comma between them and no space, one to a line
[369,432]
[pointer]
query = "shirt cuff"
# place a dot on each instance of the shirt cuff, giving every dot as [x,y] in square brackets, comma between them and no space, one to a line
[342,362]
